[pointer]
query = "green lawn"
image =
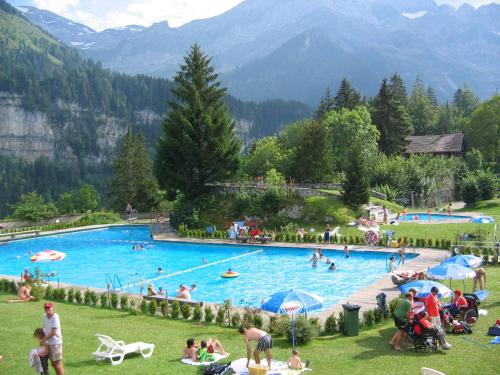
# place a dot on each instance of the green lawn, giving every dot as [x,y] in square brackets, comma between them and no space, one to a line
[367,353]
[489,208]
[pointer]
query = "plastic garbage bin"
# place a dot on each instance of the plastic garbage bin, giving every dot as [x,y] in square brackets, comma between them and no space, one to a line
[351,319]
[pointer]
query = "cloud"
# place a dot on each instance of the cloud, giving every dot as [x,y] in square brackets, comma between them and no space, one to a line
[57,6]
[474,3]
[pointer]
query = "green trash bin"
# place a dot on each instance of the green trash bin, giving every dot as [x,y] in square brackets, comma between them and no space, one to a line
[351,319]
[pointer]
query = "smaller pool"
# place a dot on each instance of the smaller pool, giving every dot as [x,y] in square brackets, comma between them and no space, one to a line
[420,216]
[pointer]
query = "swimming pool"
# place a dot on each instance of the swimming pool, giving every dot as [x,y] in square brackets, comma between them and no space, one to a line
[90,255]
[434,217]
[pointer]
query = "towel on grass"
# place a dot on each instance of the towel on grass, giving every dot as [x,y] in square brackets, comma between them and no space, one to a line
[277,367]
[217,356]
[496,340]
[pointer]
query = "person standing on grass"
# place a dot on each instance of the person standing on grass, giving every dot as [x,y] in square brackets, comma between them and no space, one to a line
[327,234]
[432,307]
[53,337]
[264,343]
[402,314]
[449,209]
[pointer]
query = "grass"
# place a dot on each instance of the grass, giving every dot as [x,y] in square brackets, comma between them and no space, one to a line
[490,208]
[366,353]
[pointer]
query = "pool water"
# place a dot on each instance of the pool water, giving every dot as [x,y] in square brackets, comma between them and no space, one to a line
[434,217]
[264,270]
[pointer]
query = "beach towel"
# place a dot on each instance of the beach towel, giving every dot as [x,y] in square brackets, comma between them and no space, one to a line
[34,361]
[496,340]
[217,356]
[277,367]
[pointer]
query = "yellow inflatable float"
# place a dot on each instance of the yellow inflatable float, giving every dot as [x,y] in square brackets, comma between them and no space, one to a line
[229,274]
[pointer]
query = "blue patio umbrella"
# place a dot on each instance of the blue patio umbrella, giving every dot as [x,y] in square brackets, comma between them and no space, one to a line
[483,220]
[451,271]
[424,288]
[292,302]
[470,261]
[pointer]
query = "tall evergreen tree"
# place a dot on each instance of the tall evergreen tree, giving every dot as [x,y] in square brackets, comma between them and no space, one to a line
[465,101]
[431,95]
[398,89]
[392,121]
[422,111]
[326,105]
[132,180]
[347,96]
[198,144]
[357,181]
[313,155]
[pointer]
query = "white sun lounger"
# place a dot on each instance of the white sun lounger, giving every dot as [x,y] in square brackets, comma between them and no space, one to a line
[116,351]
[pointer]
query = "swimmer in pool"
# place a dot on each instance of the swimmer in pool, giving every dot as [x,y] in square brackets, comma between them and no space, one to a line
[159,270]
[332,267]
[204,261]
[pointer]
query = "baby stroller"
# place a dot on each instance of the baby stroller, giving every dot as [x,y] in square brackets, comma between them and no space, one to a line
[421,338]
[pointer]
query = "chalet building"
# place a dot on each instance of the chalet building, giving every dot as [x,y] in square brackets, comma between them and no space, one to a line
[444,145]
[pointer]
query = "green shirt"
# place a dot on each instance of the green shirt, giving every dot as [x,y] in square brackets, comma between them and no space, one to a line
[402,309]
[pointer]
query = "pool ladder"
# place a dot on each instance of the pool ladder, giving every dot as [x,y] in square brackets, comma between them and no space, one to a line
[113,282]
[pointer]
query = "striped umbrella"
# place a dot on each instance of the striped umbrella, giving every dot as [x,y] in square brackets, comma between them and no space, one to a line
[48,256]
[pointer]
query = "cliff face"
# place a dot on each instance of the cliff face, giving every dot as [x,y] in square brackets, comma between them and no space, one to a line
[33,134]
[73,133]
[24,134]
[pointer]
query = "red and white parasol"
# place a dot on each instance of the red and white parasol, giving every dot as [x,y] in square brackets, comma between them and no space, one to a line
[48,256]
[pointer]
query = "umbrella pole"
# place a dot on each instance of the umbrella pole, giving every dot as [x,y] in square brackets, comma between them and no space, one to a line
[293,333]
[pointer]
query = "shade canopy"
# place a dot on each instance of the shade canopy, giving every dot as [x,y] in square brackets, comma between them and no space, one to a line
[292,302]
[48,256]
[470,261]
[424,288]
[483,220]
[451,271]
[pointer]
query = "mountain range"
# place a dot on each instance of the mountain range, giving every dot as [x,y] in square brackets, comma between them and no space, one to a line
[294,49]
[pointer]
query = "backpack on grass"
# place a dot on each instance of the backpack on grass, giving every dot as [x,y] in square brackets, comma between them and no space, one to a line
[218,369]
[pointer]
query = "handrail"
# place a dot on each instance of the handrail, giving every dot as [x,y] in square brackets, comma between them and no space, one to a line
[113,282]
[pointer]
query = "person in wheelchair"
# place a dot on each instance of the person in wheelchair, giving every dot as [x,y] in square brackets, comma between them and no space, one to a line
[436,331]
[458,304]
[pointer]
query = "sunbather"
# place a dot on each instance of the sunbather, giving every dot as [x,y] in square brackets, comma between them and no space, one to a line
[24,293]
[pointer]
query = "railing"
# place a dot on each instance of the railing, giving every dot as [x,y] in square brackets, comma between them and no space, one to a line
[113,282]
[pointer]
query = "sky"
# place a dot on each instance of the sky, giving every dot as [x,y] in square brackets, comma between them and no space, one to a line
[103,14]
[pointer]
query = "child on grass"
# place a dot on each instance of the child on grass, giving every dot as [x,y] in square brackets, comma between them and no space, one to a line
[42,351]
[294,361]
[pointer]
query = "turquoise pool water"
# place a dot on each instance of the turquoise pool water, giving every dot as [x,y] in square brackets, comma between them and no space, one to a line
[434,217]
[90,255]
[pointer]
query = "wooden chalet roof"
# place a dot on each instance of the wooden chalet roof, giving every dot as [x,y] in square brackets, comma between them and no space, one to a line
[444,143]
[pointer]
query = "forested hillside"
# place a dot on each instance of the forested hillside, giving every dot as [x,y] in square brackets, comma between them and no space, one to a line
[72,113]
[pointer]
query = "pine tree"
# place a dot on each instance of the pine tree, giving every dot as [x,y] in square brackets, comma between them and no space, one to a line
[347,96]
[392,121]
[357,181]
[431,95]
[198,145]
[398,89]
[422,111]
[132,180]
[465,101]
[326,105]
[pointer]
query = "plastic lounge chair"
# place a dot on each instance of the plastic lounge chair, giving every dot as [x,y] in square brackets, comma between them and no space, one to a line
[116,351]
[430,371]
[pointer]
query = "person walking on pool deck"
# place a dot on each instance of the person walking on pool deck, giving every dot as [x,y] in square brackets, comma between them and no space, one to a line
[264,343]
[53,337]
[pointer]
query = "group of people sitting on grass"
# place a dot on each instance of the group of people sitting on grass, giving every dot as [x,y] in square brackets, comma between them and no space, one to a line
[206,350]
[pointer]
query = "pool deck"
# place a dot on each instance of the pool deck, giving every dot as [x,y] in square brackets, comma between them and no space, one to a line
[365,297]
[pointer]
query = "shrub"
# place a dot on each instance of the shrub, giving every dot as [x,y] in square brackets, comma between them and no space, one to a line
[153,306]
[368,317]
[221,315]
[164,308]
[378,315]
[392,306]
[124,302]
[71,295]
[248,317]
[114,300]
[86,297]
[278,325]
[236,320]
[133,306]
[487,184]
[93,298]
[144,306]
[304,330]
[330,325]
[49,292]
[429,242]
[209,314]
[104,300]
[340,322]
[469,189]
[258,321]
[175,310]
[78,296]
[60,294]
[186,311]
[197,313]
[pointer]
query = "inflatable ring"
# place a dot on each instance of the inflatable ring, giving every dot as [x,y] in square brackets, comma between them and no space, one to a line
[371,237]
[230,275]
